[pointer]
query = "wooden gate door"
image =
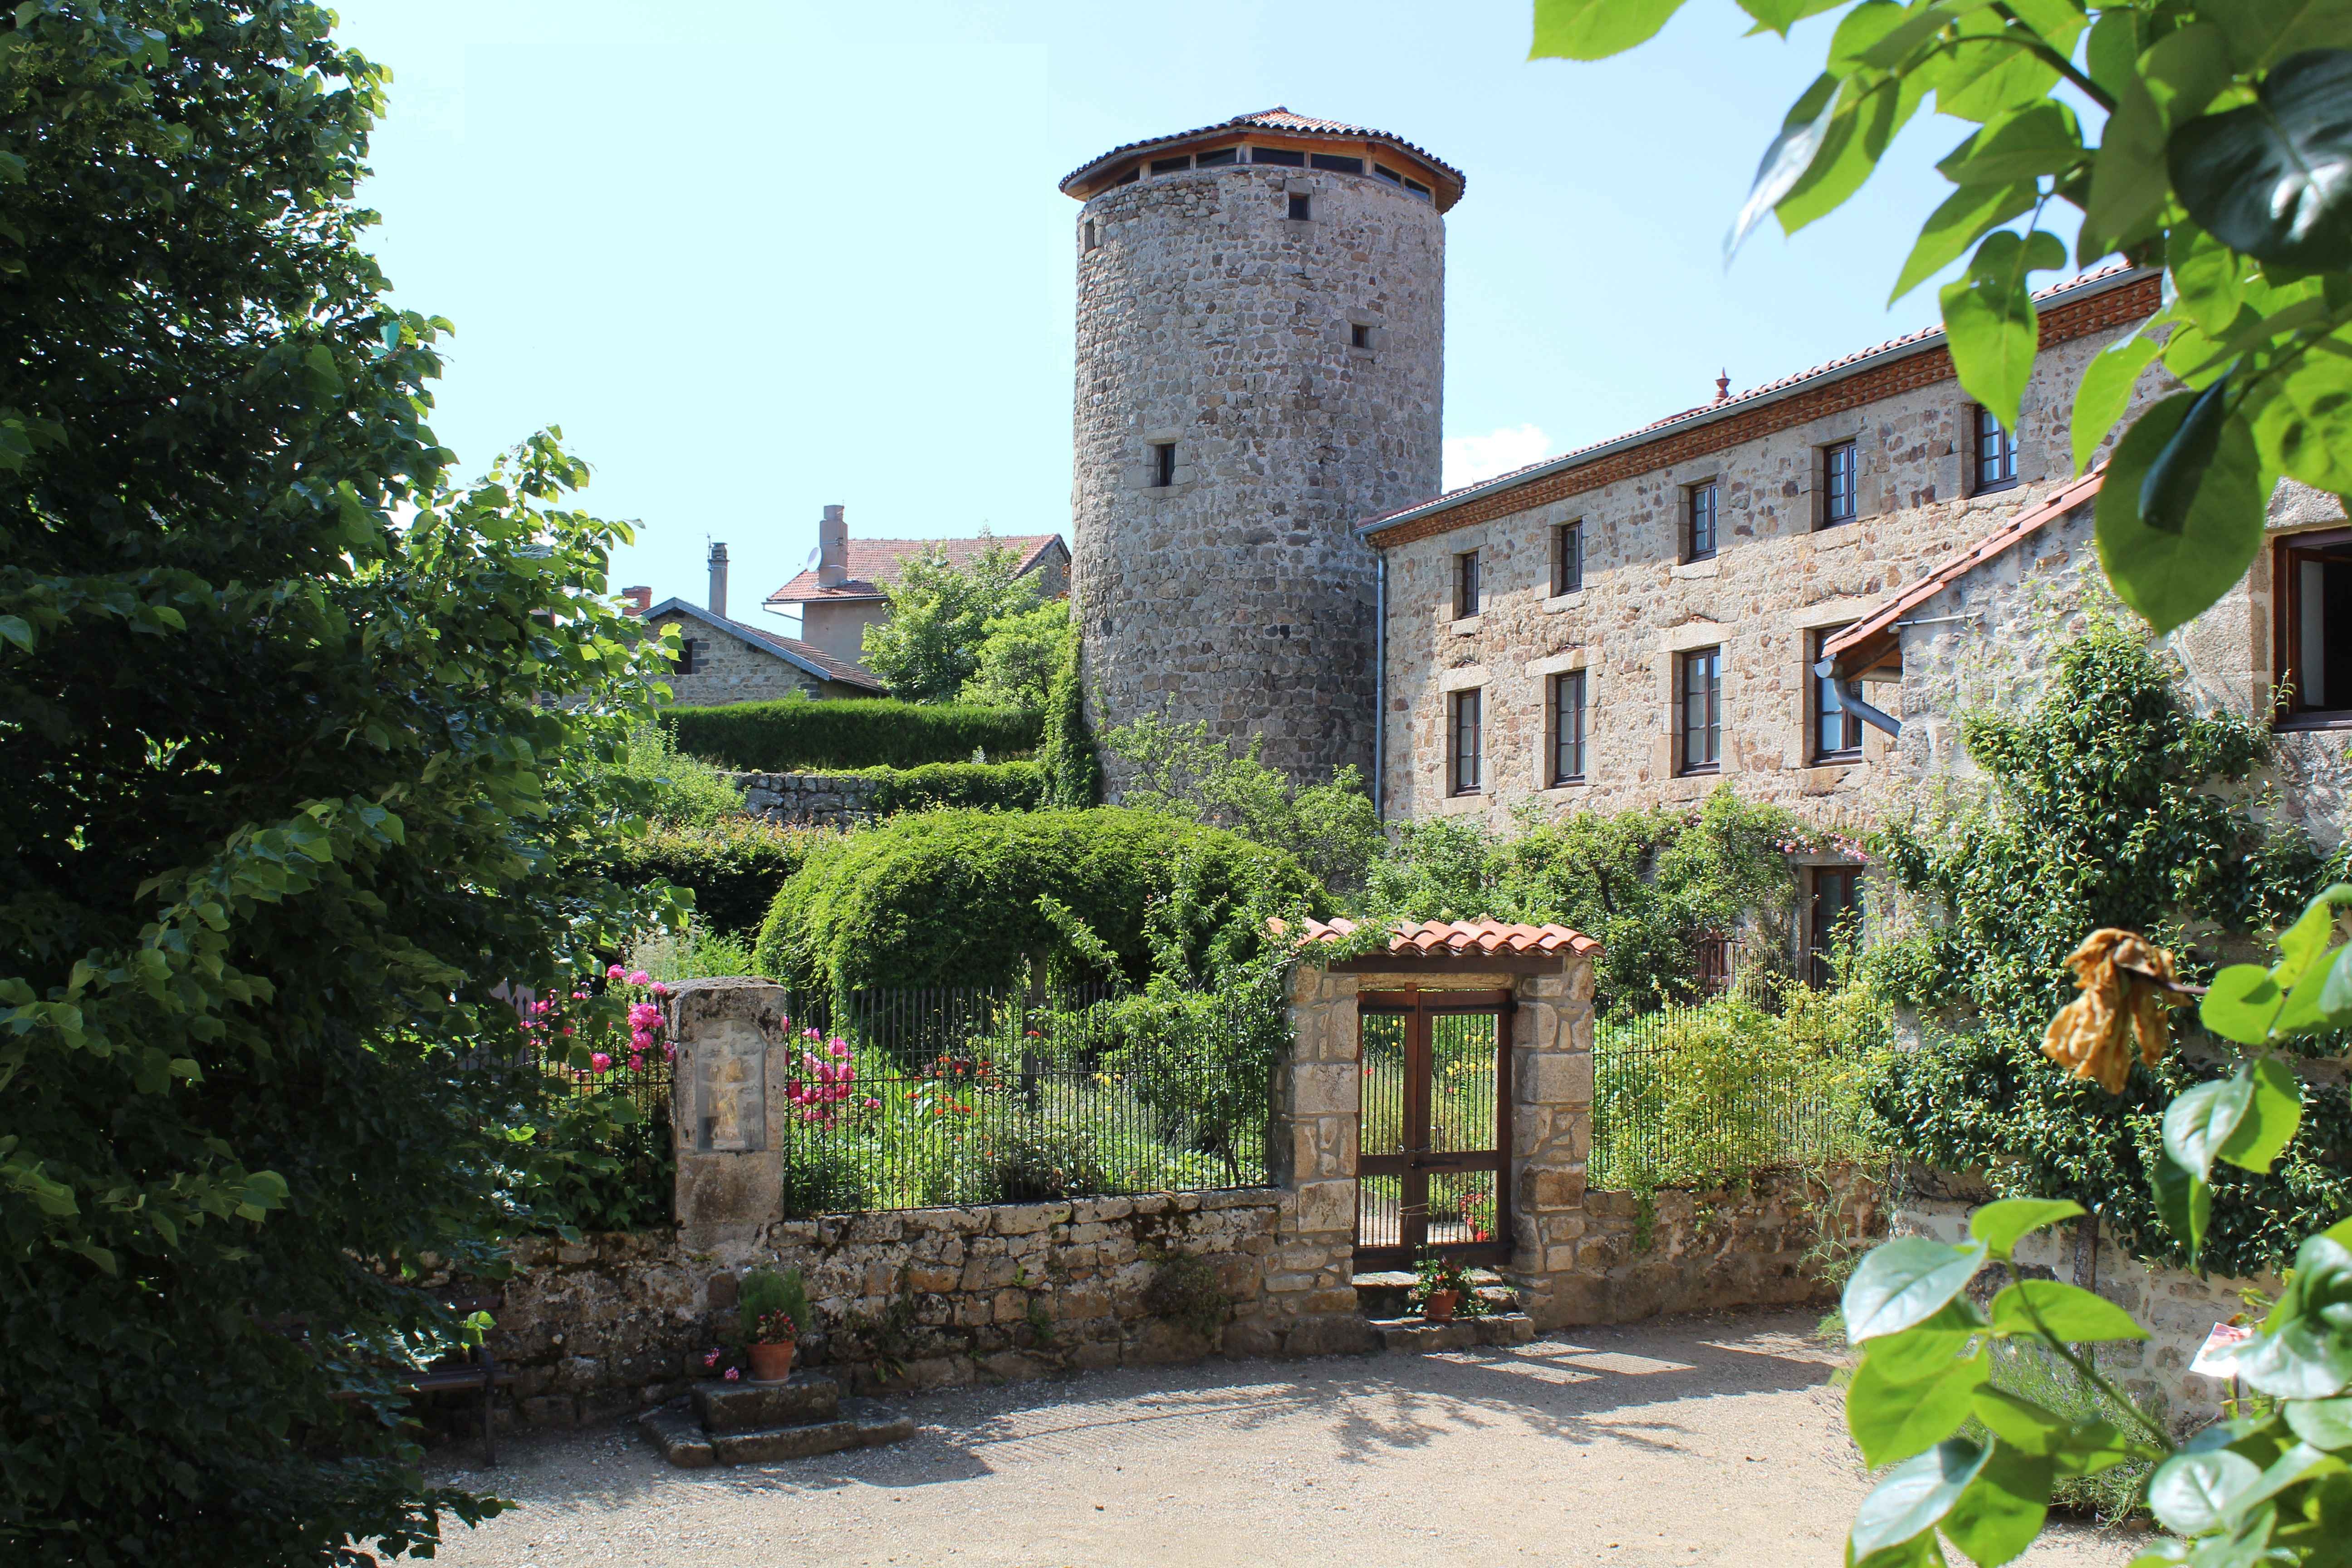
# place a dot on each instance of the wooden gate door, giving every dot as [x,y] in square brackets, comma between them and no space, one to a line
[1433,1139]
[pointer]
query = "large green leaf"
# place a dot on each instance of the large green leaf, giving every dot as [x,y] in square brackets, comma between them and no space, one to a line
[2321,1423]
[2200,1119]
[2041,140]
[2263,32]
[2105,392]
[2275,178]
[1989,321]
[1786,160]
[1595,29]
[2171,578]
[2302,943]
[2169,487]
[1965,217]
[2073,1448]
[2304,1351]
[1921,24]
[2193,1492]
[1892,1421]
[2068,1312]
[2303,414]
[1906,1281]
[2184,1201]
[2000,1224]
[1779,15]
[1985,74]
[2306,1008]
[1914,1496]
[2176,80]
[2240,1004]
[2208,277]
[1860,129]
[1928,1349]
[1996,1518]
[2272,1116]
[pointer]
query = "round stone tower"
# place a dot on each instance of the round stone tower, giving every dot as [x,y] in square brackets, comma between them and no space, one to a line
[1260,352]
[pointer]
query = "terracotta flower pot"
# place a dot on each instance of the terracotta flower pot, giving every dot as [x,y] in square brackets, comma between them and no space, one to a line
[1438,1308]
[772,1363]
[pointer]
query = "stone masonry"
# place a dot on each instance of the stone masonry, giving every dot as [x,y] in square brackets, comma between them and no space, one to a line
[1776,580]
[1210,318]
[730,669]
[818,800]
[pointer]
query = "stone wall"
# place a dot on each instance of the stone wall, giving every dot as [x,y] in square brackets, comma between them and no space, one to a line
[928,1298]
[1239,594]
[1776,582]
[732,669]
[1766,1244]
[2176,1307]
[814,800]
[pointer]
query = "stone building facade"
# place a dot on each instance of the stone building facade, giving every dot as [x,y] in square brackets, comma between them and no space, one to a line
[1260,353]
[722,662]
[845,590]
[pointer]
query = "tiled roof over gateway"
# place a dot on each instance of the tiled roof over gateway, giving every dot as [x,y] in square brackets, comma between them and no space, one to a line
[874,563]
[1463,938]
[1910,343]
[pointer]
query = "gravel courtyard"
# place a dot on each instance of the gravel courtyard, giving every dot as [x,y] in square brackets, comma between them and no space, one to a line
[1678,1442]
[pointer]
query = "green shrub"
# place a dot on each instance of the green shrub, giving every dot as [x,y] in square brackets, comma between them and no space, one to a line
[984,786]
[733,865]
[764,1292]
[951,898]
[1042,1160]
[862,732]
[681,790]
[824,1173]
[1073,771]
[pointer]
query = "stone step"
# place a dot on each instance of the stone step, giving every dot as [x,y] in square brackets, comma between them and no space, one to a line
[1387,1293]
[1415,1336]
[863,1423]
[802,1400]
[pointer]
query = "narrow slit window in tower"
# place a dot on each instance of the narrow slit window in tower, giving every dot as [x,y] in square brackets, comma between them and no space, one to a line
[1093,237]
[1163,464]
[1360,336]
[1300,207]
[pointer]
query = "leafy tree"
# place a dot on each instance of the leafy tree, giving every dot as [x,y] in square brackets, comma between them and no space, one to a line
[285,799]
[1073,771]
[2219,155]
[1018,656]
[940,615]
[1184,770]
[2110,804]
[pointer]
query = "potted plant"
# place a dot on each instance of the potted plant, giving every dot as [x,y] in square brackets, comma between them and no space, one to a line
[1441,1286]
[771,1310]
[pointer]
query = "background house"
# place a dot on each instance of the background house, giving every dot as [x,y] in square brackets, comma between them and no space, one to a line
[721,660]
[841,595]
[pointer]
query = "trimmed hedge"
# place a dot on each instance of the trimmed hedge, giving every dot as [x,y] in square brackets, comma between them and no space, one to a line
[804,736]
[984,786]
[734,866]
[949,898]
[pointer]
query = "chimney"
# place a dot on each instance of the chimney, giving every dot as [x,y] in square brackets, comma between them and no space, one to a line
[832,549]
[719,581]
[637,601]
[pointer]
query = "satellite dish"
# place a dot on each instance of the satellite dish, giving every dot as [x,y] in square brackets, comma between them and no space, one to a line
[814,556]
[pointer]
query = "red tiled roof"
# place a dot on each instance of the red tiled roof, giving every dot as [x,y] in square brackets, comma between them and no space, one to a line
[1826,371]
[874,563]
[1282,119]
[1869,639]
[1431,938]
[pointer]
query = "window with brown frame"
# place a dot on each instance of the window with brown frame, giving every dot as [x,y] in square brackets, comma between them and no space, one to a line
[1841,489]
[1467,599]
[1698,522]
[1834,919]
[1700,700]
[1567,729]
[1567,559]
[1468,759]
[1994,450]
[2312,590]
[1834,735]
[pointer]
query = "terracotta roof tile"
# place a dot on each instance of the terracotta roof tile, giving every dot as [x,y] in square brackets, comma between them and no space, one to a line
[1275,119]
[1463,938]
[876,563]
[1827,369]
[1863,643]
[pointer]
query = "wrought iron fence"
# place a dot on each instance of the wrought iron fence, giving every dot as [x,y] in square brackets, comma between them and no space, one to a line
[958,1096]
[1692,1095]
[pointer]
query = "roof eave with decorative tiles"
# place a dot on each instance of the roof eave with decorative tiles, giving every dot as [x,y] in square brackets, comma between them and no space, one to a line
[1288,124]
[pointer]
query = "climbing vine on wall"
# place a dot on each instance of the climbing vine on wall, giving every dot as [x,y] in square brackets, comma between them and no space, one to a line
[2108,804]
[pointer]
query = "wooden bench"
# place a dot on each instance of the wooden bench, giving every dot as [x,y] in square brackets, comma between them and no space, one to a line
[475,1368]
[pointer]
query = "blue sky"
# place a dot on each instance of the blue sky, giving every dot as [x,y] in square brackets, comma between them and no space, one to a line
[756,256]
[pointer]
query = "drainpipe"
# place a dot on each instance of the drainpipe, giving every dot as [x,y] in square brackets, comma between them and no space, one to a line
[1847,694]
[1379,683]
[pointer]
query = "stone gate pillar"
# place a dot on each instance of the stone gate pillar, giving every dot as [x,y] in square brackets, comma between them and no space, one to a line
[728,1106]
[1551,1134]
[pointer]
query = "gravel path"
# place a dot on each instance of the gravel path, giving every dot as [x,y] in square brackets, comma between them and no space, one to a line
[1708,1441]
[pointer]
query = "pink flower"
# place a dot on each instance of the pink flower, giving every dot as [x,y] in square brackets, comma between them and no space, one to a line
[668,1050]
[812,1034]
[711,1359]
[732,1375]
[615,972]
[600,1061]
[838,1049]
[872,1103]
[660,989]
[639,977]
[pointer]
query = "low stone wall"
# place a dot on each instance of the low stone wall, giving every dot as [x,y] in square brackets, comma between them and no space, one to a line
[809,800]
[928,1297]
[2178,1307]
[1765,1244]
